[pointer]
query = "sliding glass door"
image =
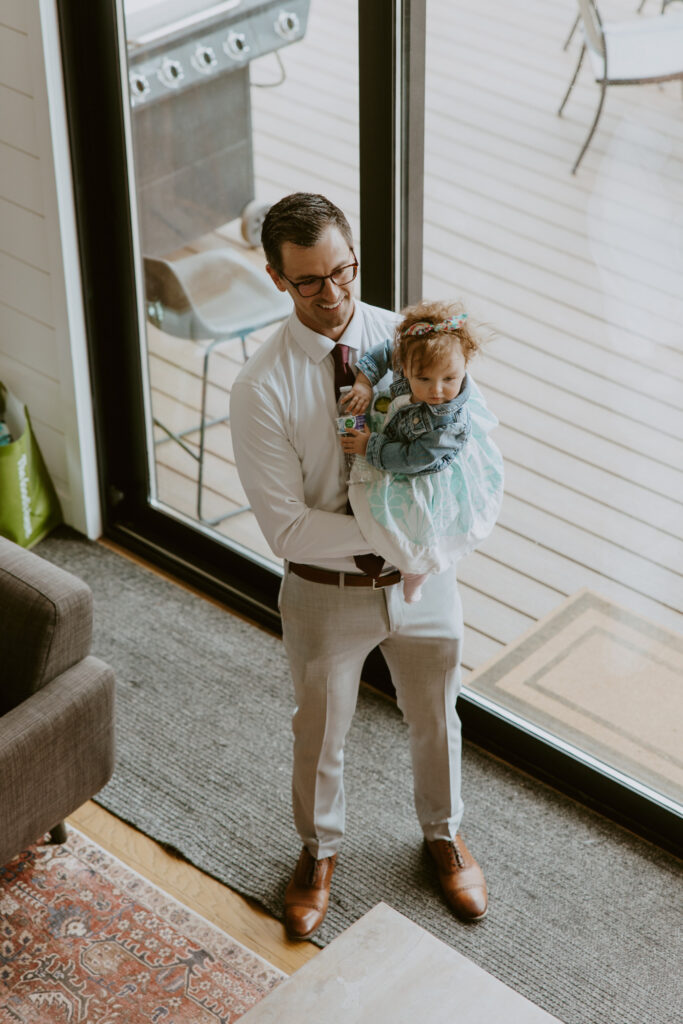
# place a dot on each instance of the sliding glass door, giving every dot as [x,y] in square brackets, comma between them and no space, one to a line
[189,119]
[232,106]
[574,605]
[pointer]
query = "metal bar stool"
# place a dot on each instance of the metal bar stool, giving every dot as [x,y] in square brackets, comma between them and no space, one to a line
[215,296]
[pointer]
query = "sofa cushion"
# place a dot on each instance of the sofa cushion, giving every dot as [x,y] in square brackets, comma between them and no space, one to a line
[45,623]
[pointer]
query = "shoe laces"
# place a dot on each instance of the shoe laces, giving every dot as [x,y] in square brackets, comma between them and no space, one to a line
[456,857]
[314,872]
[316,869]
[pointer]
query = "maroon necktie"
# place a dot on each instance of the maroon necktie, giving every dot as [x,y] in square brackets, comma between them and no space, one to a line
[344,376]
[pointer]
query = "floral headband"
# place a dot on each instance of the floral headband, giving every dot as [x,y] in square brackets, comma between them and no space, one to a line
[444,326]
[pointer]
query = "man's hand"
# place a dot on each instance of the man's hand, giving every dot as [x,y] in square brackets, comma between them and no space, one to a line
[359,397]
[355,442]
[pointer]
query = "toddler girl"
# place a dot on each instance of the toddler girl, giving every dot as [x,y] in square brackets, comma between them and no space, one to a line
[427,482]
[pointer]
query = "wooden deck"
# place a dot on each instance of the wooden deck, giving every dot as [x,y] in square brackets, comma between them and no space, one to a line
[579,277]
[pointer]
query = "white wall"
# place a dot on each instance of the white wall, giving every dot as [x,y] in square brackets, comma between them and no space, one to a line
[43,356]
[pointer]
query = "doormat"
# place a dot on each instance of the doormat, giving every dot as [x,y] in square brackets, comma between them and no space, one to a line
[603,679]
[86,940]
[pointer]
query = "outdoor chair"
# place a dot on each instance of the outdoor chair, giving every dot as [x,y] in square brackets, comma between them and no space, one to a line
[638,51]
[577,19]
[56,701]
[215,296]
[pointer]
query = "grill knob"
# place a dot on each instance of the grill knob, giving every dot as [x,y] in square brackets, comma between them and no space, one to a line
[287,25]
[171,72]
[139,86]
[204,59]
[236,45]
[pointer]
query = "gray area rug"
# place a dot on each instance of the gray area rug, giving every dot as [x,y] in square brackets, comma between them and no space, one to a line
[584,919]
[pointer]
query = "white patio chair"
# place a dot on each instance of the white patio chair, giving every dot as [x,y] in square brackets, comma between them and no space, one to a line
[639,51]
[577,19]
[215,296]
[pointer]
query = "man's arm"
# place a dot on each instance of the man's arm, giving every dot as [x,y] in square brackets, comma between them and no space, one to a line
[270,472]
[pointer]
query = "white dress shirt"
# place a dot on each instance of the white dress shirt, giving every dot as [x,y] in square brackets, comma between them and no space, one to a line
[287,450]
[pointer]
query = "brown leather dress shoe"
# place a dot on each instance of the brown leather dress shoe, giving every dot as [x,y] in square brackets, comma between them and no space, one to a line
[462,880]
[307,895]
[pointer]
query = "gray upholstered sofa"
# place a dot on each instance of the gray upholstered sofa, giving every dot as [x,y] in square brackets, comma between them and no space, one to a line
[56,702]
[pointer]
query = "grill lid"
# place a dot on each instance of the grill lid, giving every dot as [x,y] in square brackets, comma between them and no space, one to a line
[150,22]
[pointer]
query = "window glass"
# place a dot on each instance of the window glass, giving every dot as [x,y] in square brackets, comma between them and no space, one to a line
[577,278]
[233,105]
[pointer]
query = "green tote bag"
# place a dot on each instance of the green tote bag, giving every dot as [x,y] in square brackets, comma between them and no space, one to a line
[29,506]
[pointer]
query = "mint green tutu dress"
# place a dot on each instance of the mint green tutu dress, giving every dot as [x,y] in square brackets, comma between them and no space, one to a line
[424,523]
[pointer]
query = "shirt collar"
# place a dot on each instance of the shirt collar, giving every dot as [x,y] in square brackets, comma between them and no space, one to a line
[317,346]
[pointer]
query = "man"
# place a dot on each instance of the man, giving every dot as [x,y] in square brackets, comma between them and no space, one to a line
[334,612]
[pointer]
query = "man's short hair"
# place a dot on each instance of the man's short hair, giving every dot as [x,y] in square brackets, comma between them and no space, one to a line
[301,218]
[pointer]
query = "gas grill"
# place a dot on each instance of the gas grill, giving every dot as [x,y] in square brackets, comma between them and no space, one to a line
[188,70]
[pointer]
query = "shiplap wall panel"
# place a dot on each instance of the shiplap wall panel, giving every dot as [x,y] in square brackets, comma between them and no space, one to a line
[25,288]
[13,14]
[20,180]
[52,446]
[15,64]
[33,329]
[43,348]
[17,123]
[27,341]
[40,393]
[24,230]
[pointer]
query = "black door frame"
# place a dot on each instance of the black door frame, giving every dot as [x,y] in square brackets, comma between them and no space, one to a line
[91,35]
[391,81]
[391,46]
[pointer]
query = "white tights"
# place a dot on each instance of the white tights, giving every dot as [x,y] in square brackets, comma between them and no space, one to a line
[412,586]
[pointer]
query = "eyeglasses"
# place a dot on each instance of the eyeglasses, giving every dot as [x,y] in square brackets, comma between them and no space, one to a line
[314,285]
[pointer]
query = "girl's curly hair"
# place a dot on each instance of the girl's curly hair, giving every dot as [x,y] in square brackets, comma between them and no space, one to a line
[413,354]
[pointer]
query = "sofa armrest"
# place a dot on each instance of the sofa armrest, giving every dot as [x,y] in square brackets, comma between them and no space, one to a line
[46,622]
[56,751]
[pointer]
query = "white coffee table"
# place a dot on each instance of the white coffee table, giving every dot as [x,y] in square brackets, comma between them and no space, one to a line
[385,969]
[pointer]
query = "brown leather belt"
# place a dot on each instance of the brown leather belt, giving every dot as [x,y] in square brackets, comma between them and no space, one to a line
[343,579]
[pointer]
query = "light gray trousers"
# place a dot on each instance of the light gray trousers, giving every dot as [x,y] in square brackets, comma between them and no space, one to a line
[328,632]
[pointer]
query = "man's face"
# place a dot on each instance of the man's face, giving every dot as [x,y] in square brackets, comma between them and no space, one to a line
[330,310]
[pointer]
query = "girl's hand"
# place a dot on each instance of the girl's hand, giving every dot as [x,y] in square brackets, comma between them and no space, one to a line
[359,397]
[355,442]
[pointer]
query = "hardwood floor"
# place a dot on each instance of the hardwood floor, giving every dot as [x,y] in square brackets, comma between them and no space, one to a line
[239,918]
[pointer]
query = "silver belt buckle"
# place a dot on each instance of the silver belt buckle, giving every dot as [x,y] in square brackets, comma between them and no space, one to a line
[375,584]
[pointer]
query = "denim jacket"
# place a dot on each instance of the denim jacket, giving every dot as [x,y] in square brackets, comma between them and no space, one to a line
[419,438]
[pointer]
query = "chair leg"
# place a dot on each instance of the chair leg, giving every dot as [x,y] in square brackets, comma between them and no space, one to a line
[202,439]
[593,127]
[571,84]
[202,435]
[573,30]
[171,436]
[58,834]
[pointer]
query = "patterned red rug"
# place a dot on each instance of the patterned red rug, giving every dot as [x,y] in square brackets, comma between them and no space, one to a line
[85,940]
